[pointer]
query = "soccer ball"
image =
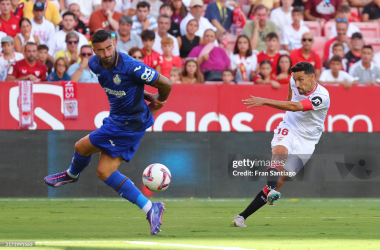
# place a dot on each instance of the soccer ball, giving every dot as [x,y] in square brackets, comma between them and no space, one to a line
[156,177]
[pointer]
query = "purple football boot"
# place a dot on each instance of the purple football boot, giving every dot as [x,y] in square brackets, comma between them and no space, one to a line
[57,180]
[154,217]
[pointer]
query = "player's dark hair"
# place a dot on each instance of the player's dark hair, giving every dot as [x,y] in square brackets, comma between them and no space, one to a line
[336,59]
[271,35]
[278,70]
[260,7]
[297,9]
[338,44]
[148,35]
[306,67]
[236,50]
[165,5]
[22,20]
[42,47]
[367,47]
[143,4]
[228,70]
[68,13]
[100,36]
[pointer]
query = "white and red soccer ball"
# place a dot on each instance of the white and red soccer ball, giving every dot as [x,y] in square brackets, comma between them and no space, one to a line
[156,177]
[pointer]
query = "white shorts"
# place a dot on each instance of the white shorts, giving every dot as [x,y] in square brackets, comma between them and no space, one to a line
[299,148]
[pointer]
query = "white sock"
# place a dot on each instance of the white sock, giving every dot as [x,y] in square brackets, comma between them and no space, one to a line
[147,207]
[71,175]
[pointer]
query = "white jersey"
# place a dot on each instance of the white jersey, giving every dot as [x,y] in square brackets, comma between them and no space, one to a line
[4,64]
[309,124]
[45,31]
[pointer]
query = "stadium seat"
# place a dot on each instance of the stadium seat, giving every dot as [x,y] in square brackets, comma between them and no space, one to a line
[319,44]
[315,27]
[246,9]
[231,40]
[374,42]
[354,10]
[327,29]
[368,29]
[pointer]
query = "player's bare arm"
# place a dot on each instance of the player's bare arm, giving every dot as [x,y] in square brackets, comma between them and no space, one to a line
[157,101]
[281,105]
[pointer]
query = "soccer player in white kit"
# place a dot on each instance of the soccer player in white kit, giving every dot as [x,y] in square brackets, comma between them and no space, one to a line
[296,136]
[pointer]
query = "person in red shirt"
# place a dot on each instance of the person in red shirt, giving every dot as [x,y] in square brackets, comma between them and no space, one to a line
[283,72]
[341,30]
[270,54]
[105,18]
[321,10]
[305,54]
[9,22]
[169,61]
[152,58]
[18,8]
[29,68]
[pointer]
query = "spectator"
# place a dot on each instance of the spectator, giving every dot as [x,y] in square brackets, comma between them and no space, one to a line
[270,54]
[321,10]
[228,76]
[258,29]
[283,73]
[169,60]
[341,27]
[344,12]
[80,72]
[86,6]
[243,61]
[143,20]
[71,54]
[196,12]
[9,23]
[179,11]
[154,7]
[213,61]
[105,18]
[165,9]
[136,53]
[163,28]
[338,50]
[18,8]
[292,34]
[189,41]
[41,27]
[365,70]
[282,16]
[79,25]
[191,73]
[371,12]
[152,58]
[270,4]
[219,15]
[126,38]
[25,36]
[123,6]
[51,14]
[175,75]
[354,54]
[60,73]
[265,76]
[305,54]
[336,76]
[8,57]
[29,68]
[68,23]
[43,55]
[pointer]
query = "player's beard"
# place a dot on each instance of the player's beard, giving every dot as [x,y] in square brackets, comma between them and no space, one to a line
[107,60]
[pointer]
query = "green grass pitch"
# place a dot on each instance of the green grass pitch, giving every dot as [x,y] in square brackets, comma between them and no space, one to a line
[113,223]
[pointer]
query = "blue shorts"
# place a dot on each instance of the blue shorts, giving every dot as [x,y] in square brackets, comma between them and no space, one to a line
[115,141]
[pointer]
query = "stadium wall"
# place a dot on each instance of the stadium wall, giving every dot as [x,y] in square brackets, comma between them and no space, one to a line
[198,162]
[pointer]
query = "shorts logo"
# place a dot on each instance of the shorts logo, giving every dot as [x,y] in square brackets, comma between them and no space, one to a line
[279,138]
[116,79]
[112,143]
[148,75]
[316,101]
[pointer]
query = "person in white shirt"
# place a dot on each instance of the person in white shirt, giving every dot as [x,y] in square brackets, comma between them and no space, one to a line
[344,12]
[123,6]
[41,27]
[8,57]
[366,71]
[376,58]
[57,42]
[282,16]
[243,61]
[163,28]
[86,6]
[336,76]
[292,34]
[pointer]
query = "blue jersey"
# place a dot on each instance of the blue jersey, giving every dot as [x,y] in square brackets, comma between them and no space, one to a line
[124,86]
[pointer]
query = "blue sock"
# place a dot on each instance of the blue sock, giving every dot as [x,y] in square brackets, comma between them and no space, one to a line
[79,163]
[125,188]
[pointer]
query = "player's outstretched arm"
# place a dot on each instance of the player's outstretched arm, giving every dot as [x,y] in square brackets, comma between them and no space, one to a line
[157,101]
[281,105]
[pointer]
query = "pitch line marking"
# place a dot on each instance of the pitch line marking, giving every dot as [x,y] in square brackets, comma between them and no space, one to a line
[185,245]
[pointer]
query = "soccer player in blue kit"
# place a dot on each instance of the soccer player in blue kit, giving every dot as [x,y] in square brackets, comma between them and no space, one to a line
[123,79]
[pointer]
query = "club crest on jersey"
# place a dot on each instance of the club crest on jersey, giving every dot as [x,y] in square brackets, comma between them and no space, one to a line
[116,79]
[37,73]
[14,26]
[316,101]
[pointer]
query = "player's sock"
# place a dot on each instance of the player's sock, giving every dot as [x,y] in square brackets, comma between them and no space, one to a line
[78,164]
[273,175]
[126,189]
[256,204]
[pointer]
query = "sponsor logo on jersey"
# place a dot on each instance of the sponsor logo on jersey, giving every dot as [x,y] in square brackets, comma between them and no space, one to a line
[116,93]
[148,75]
[24,71]
[316,101]
[137,68]
[10,70]
[116,79]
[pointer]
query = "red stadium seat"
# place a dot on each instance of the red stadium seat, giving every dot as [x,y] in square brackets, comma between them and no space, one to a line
[368,29]
[319,44]
[374,42]
[246,9]
[314,27]
[231,40]
[354,10]
[327,29]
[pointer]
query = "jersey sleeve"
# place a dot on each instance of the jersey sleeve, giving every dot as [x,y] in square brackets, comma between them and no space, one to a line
[141,73]
[319,101]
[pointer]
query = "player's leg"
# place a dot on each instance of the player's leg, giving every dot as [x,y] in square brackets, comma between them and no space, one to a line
[82,158]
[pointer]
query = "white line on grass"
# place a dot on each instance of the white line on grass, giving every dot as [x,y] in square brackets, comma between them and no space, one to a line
[185,245]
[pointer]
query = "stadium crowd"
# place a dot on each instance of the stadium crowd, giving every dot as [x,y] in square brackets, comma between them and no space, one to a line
[190,41]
